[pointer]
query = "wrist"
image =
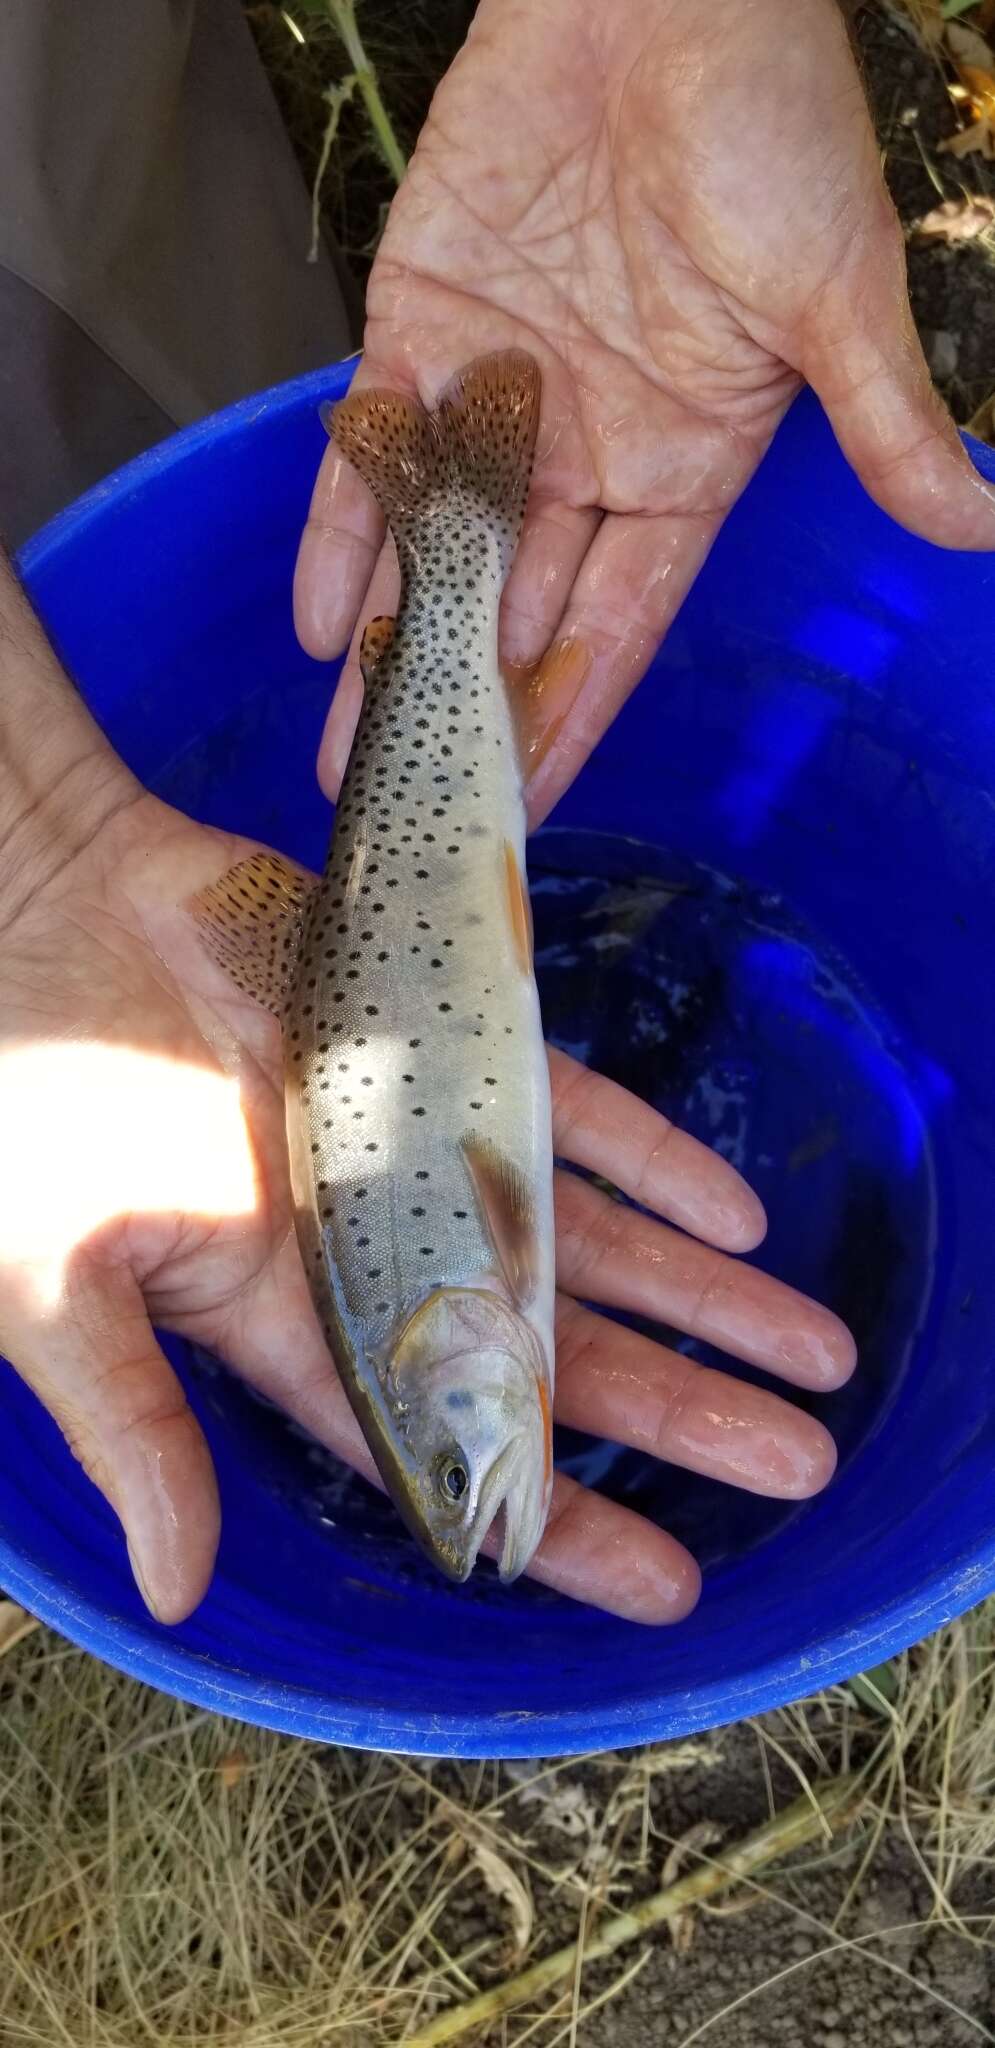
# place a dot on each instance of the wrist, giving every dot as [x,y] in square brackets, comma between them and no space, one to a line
[60,779]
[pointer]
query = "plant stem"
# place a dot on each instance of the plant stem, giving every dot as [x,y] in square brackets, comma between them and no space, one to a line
[835,1803]
[342,13]
[336,97]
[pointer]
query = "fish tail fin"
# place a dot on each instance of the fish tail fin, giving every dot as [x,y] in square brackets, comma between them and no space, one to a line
[476,449]
[489,415]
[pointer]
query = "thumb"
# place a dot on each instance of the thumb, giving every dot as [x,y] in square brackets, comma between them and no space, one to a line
[94,1362]
[862,356]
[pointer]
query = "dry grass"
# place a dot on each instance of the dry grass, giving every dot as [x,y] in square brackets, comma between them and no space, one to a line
[173,1879]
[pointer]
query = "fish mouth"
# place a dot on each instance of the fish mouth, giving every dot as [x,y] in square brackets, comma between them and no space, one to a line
[513,1490]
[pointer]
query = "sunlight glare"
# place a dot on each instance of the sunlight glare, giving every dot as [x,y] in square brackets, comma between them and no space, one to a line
[93,1132]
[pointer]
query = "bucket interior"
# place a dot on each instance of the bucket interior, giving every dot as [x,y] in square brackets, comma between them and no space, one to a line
[767,905]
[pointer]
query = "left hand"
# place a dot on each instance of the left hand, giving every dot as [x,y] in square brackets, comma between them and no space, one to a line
[143,1179]
[679,211]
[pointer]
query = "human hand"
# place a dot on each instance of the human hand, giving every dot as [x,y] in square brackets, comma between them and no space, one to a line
[143,1179]
[680,212]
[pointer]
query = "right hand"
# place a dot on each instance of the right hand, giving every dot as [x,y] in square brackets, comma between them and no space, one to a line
[679,211]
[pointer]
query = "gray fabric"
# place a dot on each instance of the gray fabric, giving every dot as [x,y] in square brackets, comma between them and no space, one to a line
[68,414]
[154,229]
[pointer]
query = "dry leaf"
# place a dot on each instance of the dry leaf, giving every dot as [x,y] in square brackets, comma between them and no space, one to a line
[15,1624]
[506,1884]
[980,90]
[973,141]
[231,1768]
[565,1806]
[982,423]
[966,46]
[703,1835]
[958,220]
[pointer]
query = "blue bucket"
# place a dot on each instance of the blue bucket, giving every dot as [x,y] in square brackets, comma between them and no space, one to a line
[787,844]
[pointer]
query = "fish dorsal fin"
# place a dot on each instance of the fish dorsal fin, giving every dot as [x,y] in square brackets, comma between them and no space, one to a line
[377,636]
[476,449]
[252,923]
[508,1213]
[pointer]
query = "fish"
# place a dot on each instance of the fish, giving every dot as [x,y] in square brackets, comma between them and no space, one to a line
[416,1082]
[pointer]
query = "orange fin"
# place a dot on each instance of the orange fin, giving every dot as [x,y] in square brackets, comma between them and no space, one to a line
[377,636]
[519,908]
[489,414]
[477,448]
[542,693]
[252,922]
[506,1205]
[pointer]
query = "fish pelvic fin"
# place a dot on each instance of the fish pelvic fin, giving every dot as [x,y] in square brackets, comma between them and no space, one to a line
[252,924]
[475,450]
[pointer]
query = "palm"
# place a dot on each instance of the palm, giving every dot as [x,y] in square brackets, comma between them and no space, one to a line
[164,1195]
[680,217]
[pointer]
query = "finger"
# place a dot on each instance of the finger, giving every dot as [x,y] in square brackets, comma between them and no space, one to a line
[614,1383]
[555,539]
[861,354]
[609,1253]
[608,1557]
[603,1127]
[635,575]
[338,549]
[94,1362]
[379,600]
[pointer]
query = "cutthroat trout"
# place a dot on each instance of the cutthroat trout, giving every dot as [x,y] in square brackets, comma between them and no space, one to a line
[418,1111]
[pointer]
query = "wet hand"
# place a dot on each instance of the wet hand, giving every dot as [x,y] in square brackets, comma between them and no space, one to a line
[680,213]
[143,1180]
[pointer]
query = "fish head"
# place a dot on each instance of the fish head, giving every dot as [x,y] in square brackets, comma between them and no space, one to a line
[468,1377]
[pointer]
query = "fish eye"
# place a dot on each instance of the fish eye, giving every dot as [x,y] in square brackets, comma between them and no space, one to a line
[454,1479]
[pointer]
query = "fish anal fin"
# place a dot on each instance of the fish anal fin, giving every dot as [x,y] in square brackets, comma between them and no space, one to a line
[251,922]
[542,693]
[508,1213]
[377,636]
[519,907]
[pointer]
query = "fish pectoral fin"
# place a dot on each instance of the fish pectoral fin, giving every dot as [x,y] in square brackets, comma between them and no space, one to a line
[508,1212]
[377,636]
[252,922]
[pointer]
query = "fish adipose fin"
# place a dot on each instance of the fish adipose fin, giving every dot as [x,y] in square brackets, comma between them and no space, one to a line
[476,448]
[252,923]
[377,636]
[508,1214]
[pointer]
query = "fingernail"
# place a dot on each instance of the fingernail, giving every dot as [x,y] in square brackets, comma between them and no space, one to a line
[826,1354]
[141,1583]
